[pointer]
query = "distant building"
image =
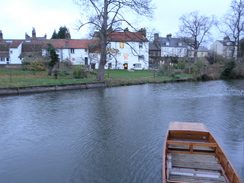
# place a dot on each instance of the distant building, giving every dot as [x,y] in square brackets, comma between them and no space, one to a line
[13,51]
[224,47]
[132,50]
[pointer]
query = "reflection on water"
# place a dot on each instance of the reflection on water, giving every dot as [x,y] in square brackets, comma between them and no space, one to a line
[112,134]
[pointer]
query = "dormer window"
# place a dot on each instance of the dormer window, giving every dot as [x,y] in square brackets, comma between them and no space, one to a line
[167,43]
[179,44]
[140,45]
[121,45]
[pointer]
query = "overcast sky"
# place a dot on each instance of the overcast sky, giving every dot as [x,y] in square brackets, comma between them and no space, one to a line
[19,16]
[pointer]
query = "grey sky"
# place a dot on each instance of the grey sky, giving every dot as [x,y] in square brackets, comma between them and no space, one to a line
[19,16]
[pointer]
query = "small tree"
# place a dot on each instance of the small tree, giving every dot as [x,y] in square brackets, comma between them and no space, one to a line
[53,56]
[61,33]
[233,25]
[55,35]
[195,30]
[108,15]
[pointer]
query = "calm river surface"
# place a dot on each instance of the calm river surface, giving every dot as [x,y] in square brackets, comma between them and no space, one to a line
[112,135]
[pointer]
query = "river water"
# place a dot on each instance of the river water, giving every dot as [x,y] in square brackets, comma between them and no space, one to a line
[112,135]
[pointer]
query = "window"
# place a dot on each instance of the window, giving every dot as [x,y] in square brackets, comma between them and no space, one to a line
[7,58]
[137,65]
[126,56]
[109,65]
[140,45]
[72,50]
[2,59]
[140,58]
[121,45]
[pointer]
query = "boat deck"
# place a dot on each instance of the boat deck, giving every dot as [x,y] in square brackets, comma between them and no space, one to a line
[185,168]
[192,155]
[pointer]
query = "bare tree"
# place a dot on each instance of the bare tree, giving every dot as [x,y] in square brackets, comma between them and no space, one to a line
[233,24]
[108,15]
[195,30]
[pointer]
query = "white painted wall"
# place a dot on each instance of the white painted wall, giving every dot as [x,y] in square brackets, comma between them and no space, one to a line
[14,54]
[134,54]
[173,51]
[77,57]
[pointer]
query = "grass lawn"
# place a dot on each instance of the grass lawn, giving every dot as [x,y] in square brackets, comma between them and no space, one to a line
[13,78]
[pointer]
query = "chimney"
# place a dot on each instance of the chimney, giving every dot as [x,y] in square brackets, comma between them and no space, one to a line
[27,36]
[144,32]
[67,35]
[226,38]
[169,36]
[156,37]
[1,35]
[33,33]
[45,36]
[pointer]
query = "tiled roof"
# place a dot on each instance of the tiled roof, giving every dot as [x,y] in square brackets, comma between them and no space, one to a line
[11,43]
[65,43]
[4,46]
[153,46]
[4,54]
[172,42]
[127,36]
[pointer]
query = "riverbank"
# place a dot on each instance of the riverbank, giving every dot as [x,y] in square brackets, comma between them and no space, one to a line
[37,89]
[19,82]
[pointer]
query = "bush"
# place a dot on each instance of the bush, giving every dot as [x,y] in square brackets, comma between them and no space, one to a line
[36,65]
[238,71]
[229,66]
[79,71]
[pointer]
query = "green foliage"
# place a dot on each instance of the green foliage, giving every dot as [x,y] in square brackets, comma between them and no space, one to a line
[78,71]
[51,51]
[199,64]
[165,70]
[229,66]
[214,58]
[60,34]
[63,73]
[25,64]
[55,35]
[180,65]
[36,65]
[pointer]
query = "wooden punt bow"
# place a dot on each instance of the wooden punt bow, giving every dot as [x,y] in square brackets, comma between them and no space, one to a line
[191,154]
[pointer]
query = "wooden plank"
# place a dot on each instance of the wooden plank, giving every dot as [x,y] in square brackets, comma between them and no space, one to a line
[175,142]
[182,126]
[193,179]
[195,162]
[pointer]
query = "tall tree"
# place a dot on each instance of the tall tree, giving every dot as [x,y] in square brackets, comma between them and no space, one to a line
[108,15]
[233,24]
[53,57]
[55,35]
[194,30]
[61,33]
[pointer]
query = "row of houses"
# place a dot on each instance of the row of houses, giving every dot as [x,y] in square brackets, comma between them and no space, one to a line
[125,49]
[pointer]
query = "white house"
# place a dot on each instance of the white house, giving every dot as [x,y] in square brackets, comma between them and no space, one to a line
[224,47]
[74,50]
[172,46]
[125,50]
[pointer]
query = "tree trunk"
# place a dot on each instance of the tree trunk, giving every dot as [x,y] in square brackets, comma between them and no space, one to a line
[195,55]
[103,36]
[50,70]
